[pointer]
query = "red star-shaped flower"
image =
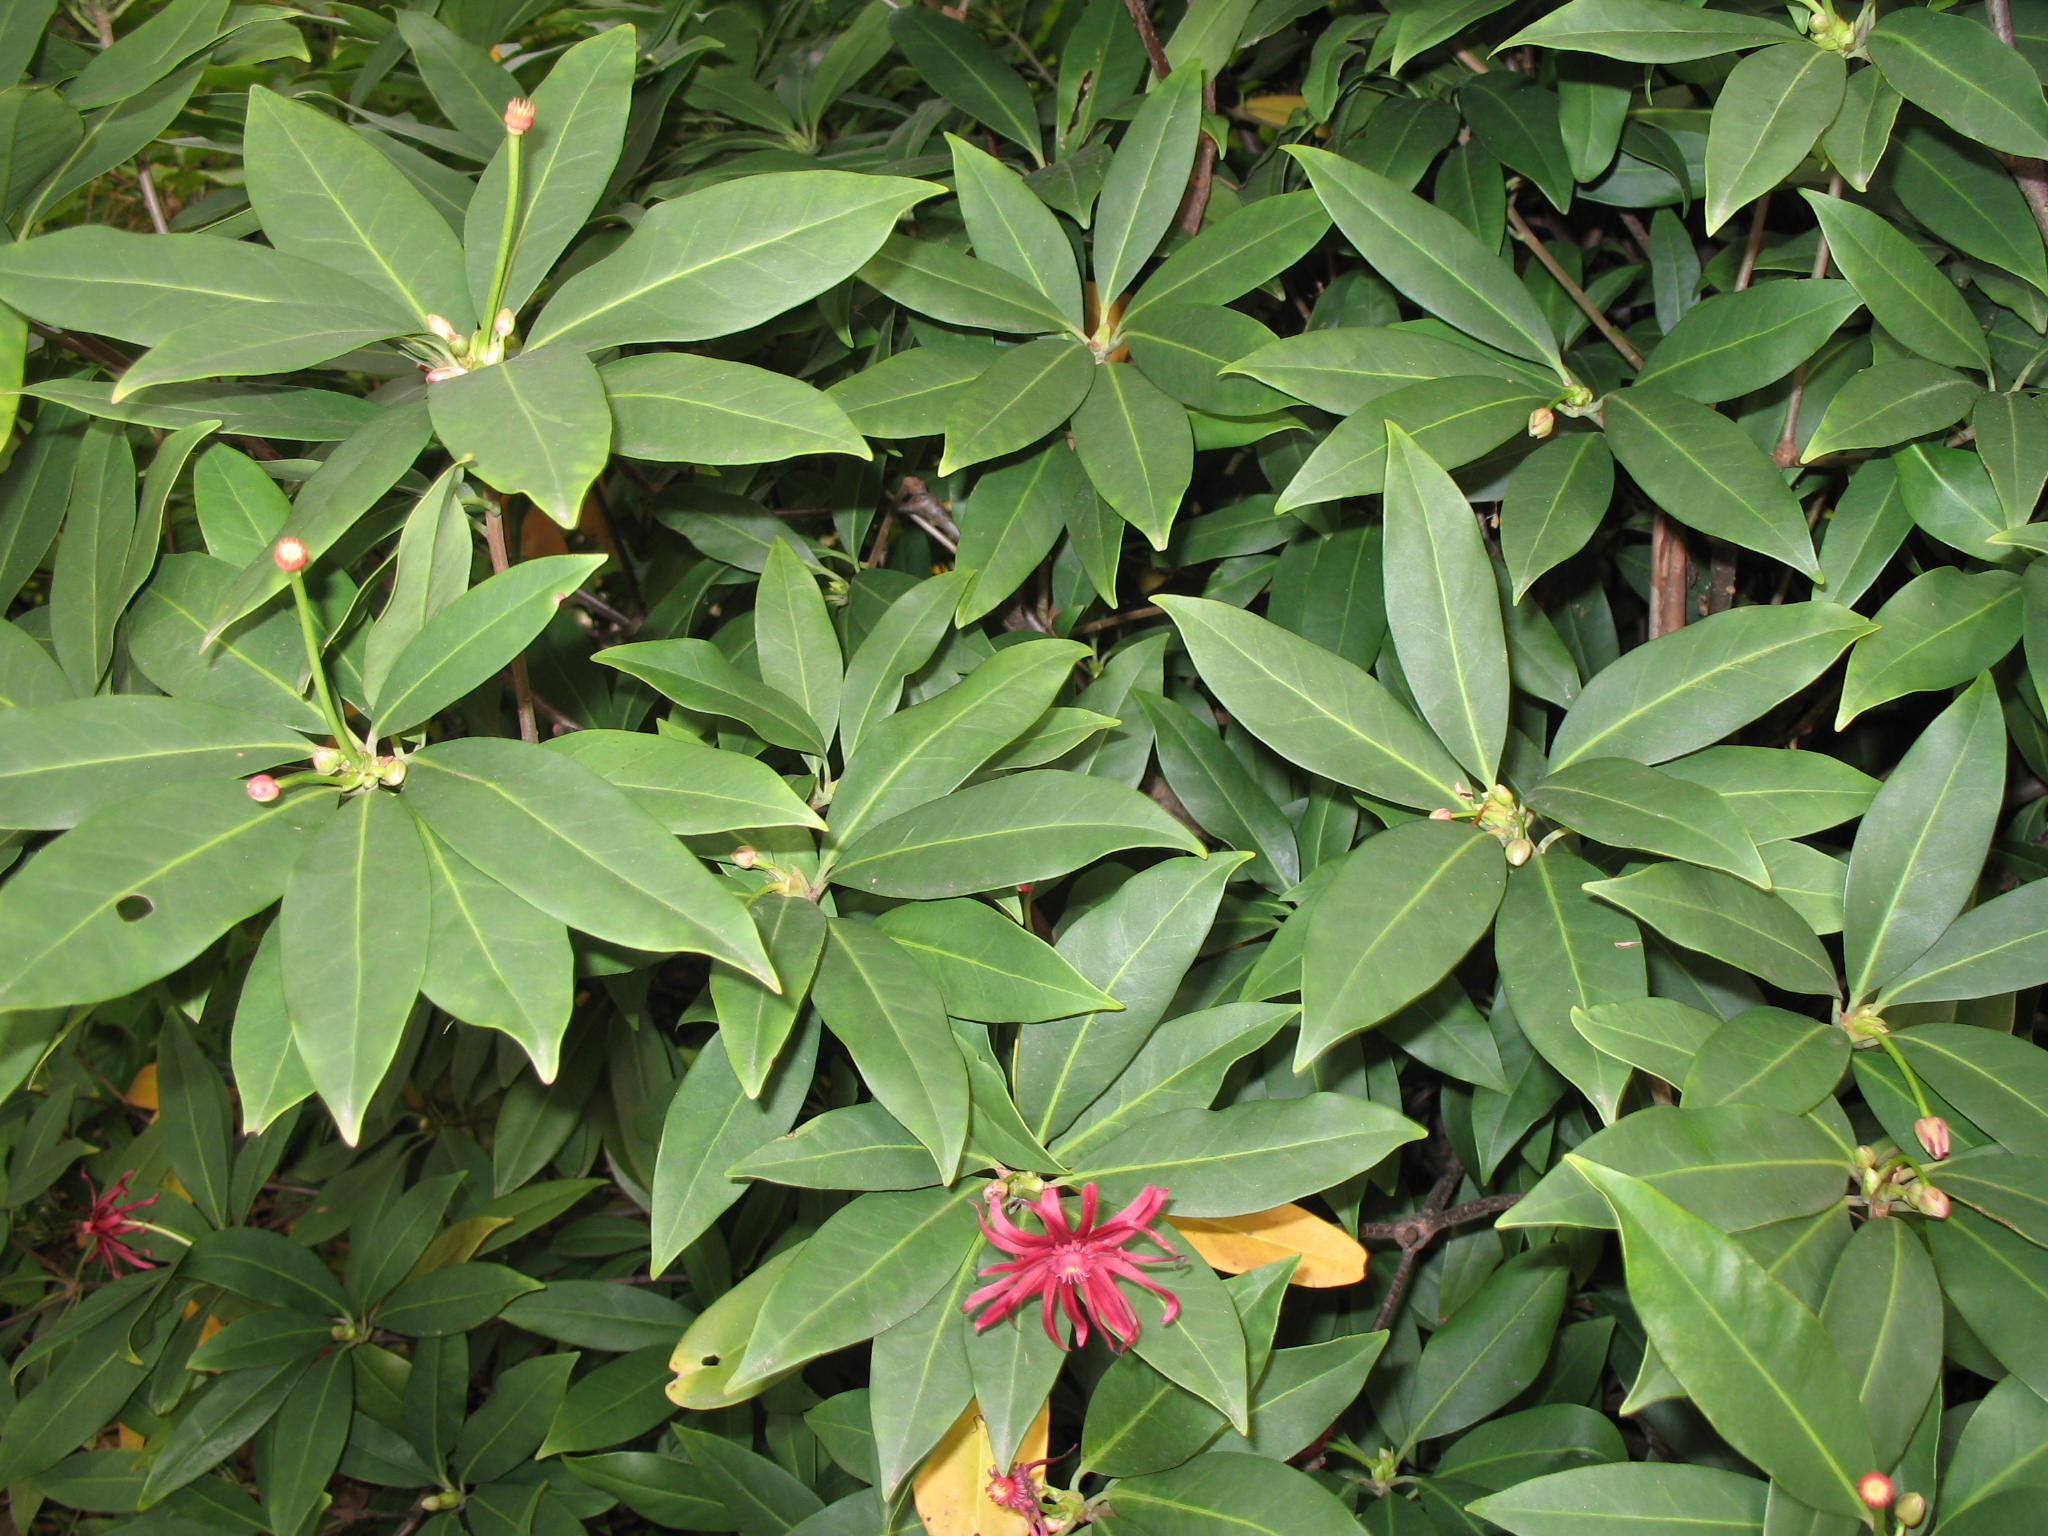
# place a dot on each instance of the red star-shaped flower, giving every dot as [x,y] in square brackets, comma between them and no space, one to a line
[106,1223]
[1074,1269]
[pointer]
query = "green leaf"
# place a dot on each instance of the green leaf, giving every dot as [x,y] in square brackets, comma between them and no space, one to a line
[969,74]
[495,960]
[1312,707]
[1420,895]
[619,1401]
[513,1420]
[258,669]
[1204,1350]
[901,642]
[1731,343]
[1921,845]
[216,1423]
[1767,1056]
[1454,420]
[1024,394]
[1771,110]
[1021,828]
[580,850]
[753,1021]
[910,394]
[1513,119]
[921,753]
[1136,945]
[111,136]
[1010,228]
[566,157]
[698,676]
[269,1076]
[688,787]
[88,582]
[537,423]
[1778,793]
[861,1147]
[873,1263]
[452,1300]
[1957,189]
[2002,1185]
[1677,1498]
[1135,443]
[1224,1494]
[1736,1166]
[1654,1033]
[1997,1282]
[1724,917]
[473,638]
[1695,685]
[265,1266]
[60,762]
[1491,1349]
[2001,946]
[1186,348]
[308,1437]
[947,285]
[889,1016]
[1232,256]
[1626,805]
[140,887]
[1442,610]
[711,1124]
[1703,470]
[1883,1312]
[1906,294]
[1949,494]
[1560,950]
[1960,71]
[598,1314]
[1145,181]
[354,947]
[1248,1157]
[1012,520]
[1556,499]
[1939,630]
[727,257]
[1342,369]
[1216,789]
[2012,448]
[1879,406]
[794,637]
[989,968]
[921,1382]
[1999,1450]
[326,196]
[1757,1363]
[671,406]
[1431,258]
[1995,1079]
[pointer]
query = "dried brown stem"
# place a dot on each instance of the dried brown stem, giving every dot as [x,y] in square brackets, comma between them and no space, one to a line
[1196,202]
[2027,172]
[1112,620]
[1149,37]
[501,561]
[1670,575]
[1587,307]
[921,507]
[1759,211]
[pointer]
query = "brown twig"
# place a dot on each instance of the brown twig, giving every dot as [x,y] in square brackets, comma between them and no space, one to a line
[2027,172]
[501,561]
[1110,621]
[1758,213]
[1195,202]
[1415,1233]
[916,502]
[1149,37]
[1786,454]
[878,549]
[1670,575]
[153,203]
[1587,307]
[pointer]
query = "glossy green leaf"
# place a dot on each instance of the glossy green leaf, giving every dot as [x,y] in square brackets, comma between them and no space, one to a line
[1997,1282]
[1758,1364]
[1135,444]
[1724,917]
[536,423]
[672,406]
[1627,805]
[1961,72]
[1225,1494]
[754,1023]
[1026,393]
[1731,343]
[1995,1079]
[1883,1312]
[1906,294]
[1767,1056]
[1491,1349]
[1688,689]
[1145,181]
[1677,1497]
[1343,368]
[699,676]
[861,1147]
[1555,502]
[1012,229]
[1904,398]
[957,64]
[687,787]
[1230,257]
[1454,420]
[1938,631]
[948,285]
[561,837]
[987,967]
[1771,109]
[1922,842]
[1657,1034]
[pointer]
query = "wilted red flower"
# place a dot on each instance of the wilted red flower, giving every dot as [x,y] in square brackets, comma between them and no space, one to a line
[1017,1491]
[1073,1268]
[106,1223]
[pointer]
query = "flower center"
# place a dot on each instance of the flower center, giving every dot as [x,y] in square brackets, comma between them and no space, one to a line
[1076,1261]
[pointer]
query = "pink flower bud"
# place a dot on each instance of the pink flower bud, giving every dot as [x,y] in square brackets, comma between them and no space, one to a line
[289,553]
[502,326]
[263,789]
[1441,813]
[437,375]
[1911,1509]
[744,857]
[1928,1201]
[1933,1133]
[328,760]
[391,771]
[441,328]
[518,116]
[1542,421]
[1874,1489]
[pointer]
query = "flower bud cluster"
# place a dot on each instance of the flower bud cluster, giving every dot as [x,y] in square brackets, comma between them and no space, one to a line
[1498,813]
[1885,1182]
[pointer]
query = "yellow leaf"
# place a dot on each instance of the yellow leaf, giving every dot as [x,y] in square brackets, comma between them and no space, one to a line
[142,1092]
[1234,1244]
[951,1488]
[1273,111]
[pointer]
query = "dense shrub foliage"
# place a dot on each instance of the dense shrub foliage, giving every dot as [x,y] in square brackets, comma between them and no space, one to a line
[847,768]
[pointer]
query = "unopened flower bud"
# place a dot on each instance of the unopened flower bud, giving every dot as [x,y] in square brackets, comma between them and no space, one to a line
[1928,1201]
[328,760]
[1520,850]
[1911,1509]
[1441,813]
[1866,1157]
[502,326]
[1542,421]
[438,375]
[391,771]
[441,328]
[289,553]
[263,789]
[1874,1489]
[1933,1133]
[744,857]
[518,115]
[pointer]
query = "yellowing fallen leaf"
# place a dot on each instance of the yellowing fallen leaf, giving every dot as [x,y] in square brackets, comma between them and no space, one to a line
[142,1092]
[1273,111]
[1234,1244]
[951,1488]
